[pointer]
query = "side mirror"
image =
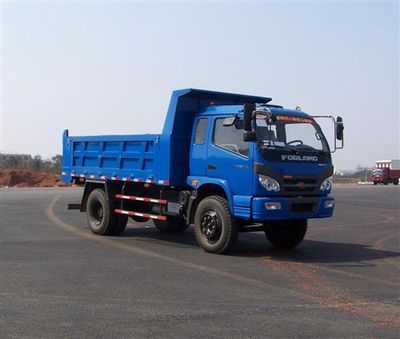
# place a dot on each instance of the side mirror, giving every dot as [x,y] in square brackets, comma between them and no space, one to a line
[229,121]
[247,115]
[339,128]
[249,136]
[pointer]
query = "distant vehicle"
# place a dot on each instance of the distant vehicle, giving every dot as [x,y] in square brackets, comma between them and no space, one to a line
[386,172]
[224,162]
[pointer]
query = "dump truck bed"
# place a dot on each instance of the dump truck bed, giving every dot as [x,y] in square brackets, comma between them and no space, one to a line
[115,157]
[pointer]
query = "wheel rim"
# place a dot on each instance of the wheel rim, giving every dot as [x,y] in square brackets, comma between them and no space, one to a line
[96,213]
[211,226]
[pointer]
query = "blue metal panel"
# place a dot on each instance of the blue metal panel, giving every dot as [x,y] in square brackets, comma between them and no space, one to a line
[242,206]
[118,156]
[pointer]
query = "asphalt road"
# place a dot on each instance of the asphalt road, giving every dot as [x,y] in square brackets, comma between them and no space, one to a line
[59,280]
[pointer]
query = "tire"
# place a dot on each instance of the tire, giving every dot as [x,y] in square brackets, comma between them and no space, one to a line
[100,215]
[396,182]
[171,225]
[216,229]
[285,234]
[375,183]
[385,182]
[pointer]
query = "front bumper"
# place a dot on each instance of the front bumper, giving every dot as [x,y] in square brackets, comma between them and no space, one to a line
[292,208]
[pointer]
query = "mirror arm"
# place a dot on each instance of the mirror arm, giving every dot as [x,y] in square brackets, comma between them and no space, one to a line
[335,124]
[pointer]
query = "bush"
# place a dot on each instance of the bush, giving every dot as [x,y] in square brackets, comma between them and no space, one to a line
[36,163]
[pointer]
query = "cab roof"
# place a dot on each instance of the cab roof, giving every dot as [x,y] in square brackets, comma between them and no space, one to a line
[238,109]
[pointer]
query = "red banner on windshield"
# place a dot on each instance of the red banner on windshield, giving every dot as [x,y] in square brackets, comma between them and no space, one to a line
[293,119]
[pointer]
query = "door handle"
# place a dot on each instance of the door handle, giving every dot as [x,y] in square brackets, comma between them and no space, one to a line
[212,167]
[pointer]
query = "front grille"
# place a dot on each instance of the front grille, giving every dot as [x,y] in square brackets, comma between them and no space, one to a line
[300,185]
[296,181]
[296,189]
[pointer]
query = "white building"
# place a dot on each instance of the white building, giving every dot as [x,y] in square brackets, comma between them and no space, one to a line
[393,164]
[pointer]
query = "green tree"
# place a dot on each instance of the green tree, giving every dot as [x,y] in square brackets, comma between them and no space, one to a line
[56,163]
[37,163]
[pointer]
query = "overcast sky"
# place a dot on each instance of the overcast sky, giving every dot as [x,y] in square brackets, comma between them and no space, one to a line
[102,68]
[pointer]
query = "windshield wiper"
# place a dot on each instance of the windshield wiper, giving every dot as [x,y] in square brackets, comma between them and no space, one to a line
[306,149]
[286,148]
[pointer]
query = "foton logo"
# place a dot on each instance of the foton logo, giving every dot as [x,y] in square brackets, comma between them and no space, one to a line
[299,157]
[301,186]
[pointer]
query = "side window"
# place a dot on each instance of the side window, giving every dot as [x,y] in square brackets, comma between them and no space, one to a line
[201,129]
[230,137]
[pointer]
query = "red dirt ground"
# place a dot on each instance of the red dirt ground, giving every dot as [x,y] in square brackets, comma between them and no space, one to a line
[28,178]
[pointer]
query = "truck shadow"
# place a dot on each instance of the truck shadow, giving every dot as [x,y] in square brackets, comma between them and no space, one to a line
[315,251]
[256,245]
[150,234]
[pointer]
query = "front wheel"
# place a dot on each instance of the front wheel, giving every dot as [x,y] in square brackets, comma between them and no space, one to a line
[216,229]
[285,234]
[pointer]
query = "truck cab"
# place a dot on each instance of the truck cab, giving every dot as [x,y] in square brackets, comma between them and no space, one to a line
[284,173]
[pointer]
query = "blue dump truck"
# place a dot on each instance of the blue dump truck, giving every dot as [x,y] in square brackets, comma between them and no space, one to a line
[225,163]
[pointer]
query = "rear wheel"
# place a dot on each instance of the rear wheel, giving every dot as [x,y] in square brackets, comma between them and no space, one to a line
[216,229]
[100,215]
[286,234]
[171,225]
[396,182]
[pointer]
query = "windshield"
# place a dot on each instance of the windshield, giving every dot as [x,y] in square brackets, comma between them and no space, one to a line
[377,171]
[291,138]
[290,133]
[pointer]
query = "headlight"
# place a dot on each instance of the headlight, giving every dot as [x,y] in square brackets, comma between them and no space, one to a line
[326,184]
[268,183]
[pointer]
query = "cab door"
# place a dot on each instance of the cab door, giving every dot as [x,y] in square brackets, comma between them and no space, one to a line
[199,147]
[228,156]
